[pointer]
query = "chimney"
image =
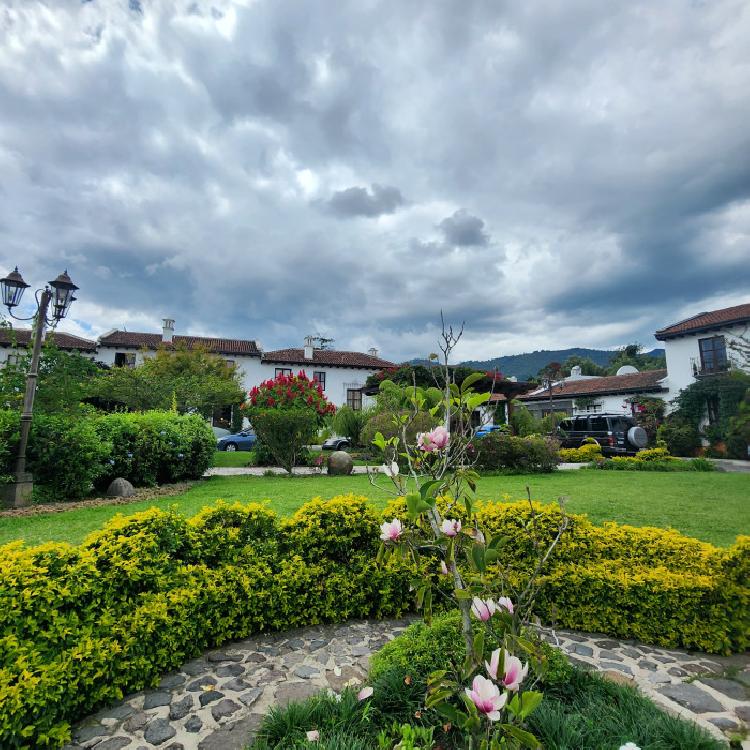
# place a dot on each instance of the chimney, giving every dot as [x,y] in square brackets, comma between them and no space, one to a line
[167,330]
[308,347]
[575,372]
[373,352]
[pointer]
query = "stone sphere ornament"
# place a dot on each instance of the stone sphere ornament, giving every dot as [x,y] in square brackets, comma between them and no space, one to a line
[120,487]
[340,463]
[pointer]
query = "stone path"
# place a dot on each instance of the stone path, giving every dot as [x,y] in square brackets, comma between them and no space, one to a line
[259,471]
[215,702]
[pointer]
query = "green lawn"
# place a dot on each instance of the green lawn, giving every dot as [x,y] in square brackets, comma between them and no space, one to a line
[714,507]
[233,458]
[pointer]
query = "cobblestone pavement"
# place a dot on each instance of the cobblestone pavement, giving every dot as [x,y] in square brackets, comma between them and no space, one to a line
[215,702]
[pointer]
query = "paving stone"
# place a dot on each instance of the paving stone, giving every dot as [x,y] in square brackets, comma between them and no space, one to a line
[202,682]
[235,686]
[116,712]
[616,666]
[618,677]
[114,743]
[210,696]
[256,658]
[193,724]
[196,667]
[225,707]
[580,663]
[610,656]
[730,688]
[317,643]
[338,682]
[691,697]
[287,692]
[743,712]
[677,672]
[582,650]
[659,678]
[175,746]
[296,644]
[662,658]
[171,681]
[251,696]
[181,708]
[230,670]
[633,653]
[86,733]
[154,700]
[220,656]
[724,723]
[159,731]
[649,665]
[607,644]
[306,672]
[135,722]
[233,736]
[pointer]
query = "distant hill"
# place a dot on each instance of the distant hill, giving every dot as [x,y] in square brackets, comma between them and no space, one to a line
[525,366]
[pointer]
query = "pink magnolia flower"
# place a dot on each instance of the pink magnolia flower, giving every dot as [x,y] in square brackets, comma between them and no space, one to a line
[313,735]
[451,527]
[505,603]
[483,609]
[444,568]
[365,693]
[435,440]
[485,695]
[515,672]
[390,531]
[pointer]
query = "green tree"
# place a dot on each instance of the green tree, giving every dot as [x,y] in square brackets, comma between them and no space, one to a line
[632,355]
[588,366]
[349,422]
[192,379]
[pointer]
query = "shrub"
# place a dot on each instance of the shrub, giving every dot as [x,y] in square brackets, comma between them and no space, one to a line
[682,439]
[585,454]
[632,463]
[738,434]
[383,422]
[81,626]
[349,422]
[285,434]
[156,446]
[519,454]
[289,392]
[9,435]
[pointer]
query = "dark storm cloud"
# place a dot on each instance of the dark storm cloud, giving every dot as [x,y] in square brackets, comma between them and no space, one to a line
[358,201]
[576,173]
[464,229]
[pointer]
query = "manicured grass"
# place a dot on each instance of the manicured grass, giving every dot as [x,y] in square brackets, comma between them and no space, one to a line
[233,458]
[714,507]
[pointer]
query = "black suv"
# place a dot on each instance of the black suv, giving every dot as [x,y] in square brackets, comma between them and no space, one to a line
[618,435]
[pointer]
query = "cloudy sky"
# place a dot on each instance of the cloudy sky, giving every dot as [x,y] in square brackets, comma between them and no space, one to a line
[555,173]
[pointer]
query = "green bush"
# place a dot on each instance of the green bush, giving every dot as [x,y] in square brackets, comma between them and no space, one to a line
[81,626]
[285,434]
[585,454]
[738,434]
[155,447]
[348,422]
[65,454]
[383,422]
[632,463]
[532,454]
[682,439]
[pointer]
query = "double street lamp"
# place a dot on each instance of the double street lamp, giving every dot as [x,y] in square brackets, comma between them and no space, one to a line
[58,293]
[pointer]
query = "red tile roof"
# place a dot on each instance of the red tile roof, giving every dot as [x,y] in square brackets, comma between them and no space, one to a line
[135,340]
[22,336]
[329,357]
[633,382]
[706,320]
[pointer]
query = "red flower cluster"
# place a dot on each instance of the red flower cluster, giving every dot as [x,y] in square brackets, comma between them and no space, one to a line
[290,392]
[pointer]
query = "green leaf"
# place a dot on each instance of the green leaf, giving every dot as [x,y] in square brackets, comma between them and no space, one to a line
[462,594]
[453,715]
[525,738]
[470,380]
[529,702]
[477,557]
[479,647]
[477,400]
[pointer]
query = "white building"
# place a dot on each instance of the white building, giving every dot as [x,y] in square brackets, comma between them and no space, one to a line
[701,346]
[587,394]
[341,374]
[11,340]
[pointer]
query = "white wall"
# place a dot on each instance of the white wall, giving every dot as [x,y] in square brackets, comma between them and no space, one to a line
[681,351]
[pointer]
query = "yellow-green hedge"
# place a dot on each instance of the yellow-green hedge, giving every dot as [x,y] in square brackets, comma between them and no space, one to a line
[81,626]
[586,453]
[655,585]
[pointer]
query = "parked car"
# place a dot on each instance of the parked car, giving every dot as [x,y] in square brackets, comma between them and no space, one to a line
[241,441]
[617,434]
[487,429]
[337,444]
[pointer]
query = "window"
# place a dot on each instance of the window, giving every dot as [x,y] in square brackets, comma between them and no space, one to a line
[354,398]
[319,377]
[712,407]
[125,359]
[13,359]
[598,424]
[283,371]
[581,424]
[713,354]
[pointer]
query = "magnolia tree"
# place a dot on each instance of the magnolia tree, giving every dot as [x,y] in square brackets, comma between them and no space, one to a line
[487,698]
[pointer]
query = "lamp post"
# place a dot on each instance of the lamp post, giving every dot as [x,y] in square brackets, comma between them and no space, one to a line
[60,294]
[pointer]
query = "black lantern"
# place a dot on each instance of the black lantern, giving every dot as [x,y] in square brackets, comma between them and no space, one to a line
[63,289]
[13,287]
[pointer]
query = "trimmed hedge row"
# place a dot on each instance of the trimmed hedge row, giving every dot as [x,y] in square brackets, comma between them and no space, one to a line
[524,455]
[81,626]
[652,584]
[69,456]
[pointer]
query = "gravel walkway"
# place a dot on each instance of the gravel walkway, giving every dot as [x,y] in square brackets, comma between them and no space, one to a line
[216,701]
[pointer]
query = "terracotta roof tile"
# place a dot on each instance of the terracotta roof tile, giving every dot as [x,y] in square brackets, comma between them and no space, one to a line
[154,341]
[330,357]
[63,340]
[704,320]
[637,381]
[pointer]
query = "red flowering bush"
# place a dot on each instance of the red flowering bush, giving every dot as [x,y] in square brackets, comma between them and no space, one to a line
[289,392]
